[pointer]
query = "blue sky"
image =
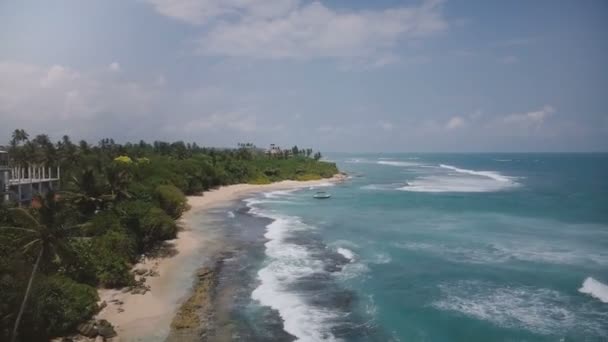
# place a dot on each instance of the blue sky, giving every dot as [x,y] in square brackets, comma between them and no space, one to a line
[340,75]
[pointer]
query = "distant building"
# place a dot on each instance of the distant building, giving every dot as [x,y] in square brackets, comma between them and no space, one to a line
[5,172]
[274,150]
[21,184]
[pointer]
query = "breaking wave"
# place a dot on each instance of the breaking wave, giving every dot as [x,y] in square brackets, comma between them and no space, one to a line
[490,174]
[595,289]
[460,180]
[540,310]
[397,163]
[347,253]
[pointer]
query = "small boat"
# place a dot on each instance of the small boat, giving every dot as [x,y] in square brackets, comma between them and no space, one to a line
[321,195]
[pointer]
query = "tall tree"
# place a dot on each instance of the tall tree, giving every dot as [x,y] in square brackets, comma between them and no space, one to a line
[44,233]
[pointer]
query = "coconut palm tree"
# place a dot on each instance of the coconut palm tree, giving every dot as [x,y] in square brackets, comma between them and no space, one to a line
[44,233]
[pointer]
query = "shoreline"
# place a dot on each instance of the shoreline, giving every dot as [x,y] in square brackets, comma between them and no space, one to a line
[138,316]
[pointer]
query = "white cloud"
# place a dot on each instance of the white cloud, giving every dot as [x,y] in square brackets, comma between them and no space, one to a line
[316,31]
[114,66]
[41,94]
[202,11]
[533,118]
[455,122]
[58,75]
[301,30]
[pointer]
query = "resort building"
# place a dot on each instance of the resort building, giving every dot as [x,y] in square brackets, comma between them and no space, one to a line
[274,150]
[20,184]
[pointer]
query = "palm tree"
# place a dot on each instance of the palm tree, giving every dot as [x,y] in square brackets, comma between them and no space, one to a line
[44,232]
[88,195]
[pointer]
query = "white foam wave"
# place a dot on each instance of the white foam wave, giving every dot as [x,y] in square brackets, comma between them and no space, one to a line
[347,253]
[356,161]
[490,174]
[495,253]
[397,163]
[595,289]
[539,310]
[381,258]
[460,180]
[352,270]
[455,184]
[230,214]
[381,187]
[288,262]
[278,193]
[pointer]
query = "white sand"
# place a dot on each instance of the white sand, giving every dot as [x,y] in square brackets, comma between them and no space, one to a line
[140,316]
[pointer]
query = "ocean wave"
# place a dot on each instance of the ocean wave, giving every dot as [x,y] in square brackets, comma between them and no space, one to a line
[352,270]
[382,187]
[381,258]
[460,180]
[230,214]
[540,310]
[278,193]
[489,174]
[454,184]
[595,289]
[347,253]
[288,262]
[356,161]
[495,253]
[397,163]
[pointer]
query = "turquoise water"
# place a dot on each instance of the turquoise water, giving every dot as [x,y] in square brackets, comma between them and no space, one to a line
[437,247]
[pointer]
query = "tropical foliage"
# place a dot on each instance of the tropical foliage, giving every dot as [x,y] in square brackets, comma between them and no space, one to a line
[117,202]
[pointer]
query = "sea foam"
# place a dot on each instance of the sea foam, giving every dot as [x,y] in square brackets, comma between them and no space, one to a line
[490,174]
[347,253]
[539,310]
[459,180]
[397,163]
[288,262]
[595,289]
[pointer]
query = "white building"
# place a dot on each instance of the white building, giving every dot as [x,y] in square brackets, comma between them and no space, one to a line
[21,184]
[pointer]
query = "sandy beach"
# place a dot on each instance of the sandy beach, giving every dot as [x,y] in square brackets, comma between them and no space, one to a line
[147,317]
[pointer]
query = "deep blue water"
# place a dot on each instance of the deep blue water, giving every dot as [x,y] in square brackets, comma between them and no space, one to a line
[436,247]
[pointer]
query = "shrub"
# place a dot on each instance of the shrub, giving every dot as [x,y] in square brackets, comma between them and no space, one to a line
[57,305]
[156,226]
[113,252]
[171,200]
[102,223]
[123,159]
[147,224]
[81,266]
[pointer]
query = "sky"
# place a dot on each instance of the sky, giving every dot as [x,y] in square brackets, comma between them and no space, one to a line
[335,75]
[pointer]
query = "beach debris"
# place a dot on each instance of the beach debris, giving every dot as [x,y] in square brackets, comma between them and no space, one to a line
[140,271]
[102,305]
[100,330]
[152,273]
[105,329]
[88,329]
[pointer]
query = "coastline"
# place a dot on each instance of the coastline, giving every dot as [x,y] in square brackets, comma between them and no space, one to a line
[135,316]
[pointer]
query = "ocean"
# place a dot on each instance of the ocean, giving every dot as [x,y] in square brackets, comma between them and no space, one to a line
[425,247]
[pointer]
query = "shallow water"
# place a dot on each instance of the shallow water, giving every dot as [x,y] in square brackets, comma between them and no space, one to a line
[428,247]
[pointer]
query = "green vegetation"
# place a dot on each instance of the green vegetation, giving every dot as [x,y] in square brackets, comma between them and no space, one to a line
[117,202]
